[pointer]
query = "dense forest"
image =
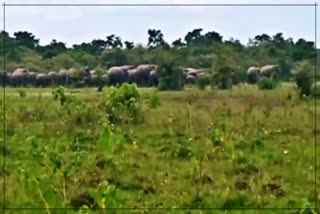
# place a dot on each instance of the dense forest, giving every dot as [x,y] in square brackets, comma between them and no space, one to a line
[197,50]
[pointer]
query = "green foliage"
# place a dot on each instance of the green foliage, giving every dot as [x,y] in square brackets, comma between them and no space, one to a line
[223,69]
[170,75]
[203,82]
[267,83]
[196,48]
[315,89]
[114,57]
[154,100]
[59,94]
[122,104]
[54,161]
[304,77]
[63,60]
[22,93]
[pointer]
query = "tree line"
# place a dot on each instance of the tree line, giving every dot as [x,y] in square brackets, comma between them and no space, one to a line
[197,50]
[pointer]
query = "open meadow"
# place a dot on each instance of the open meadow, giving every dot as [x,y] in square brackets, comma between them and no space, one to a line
[238,148]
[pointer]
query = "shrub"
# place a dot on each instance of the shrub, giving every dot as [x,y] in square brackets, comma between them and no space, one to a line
[315,89]
[267,83]
[203,81]
[304,78]
[59,94]
[123,103]
[170,75]
[222,75]
[154,101]
[22,92]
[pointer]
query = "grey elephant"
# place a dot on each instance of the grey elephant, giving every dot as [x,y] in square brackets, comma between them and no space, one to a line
[132,76]
[153,78]
[31,78]
[253,74]
[42,80]
[74,75]
[93,78]
[19,77]
[62,77]
[127,67]
[269,70]
[117,75]
[191,79]
[143,74]
[52,78]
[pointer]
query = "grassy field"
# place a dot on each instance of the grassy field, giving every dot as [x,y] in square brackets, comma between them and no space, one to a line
[241,148]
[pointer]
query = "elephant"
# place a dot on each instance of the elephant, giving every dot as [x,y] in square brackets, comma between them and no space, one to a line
[191,79]
[93,78]
[42,80]
[117,75]
[52,78]
[269,70]
[143,74]
[201,74]
[253,74]
[74,75]
[127,67]
[153,78]
[63,77]
[19,77]
[132,76]
[194,71]
[31,78]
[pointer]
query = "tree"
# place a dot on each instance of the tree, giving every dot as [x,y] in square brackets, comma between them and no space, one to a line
[303,50]
[98,45]
[170,75]
[26,39]
[155,38]
[115,57]
[263,38]
[193,36]
[178,43]
[224,68]
[53,49]
[213,37]
[63,60]
[129,45]
[13,52]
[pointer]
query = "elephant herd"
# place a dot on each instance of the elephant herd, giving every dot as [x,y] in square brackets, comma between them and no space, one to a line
[255,73]
[144,75]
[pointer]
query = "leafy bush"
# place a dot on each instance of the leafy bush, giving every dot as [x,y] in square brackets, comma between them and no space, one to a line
[222,72]
[267,83]
[22,92]
[154,101]
[170,75]
[59,94]
[203,81]
[123,103]
[315,89]
[304,78]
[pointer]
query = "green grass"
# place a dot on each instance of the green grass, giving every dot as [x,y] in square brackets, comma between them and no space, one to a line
[197,149]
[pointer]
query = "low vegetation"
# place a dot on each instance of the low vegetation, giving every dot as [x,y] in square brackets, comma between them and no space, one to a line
[244,148]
